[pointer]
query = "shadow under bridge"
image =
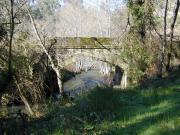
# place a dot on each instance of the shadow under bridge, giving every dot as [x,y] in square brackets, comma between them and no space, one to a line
[115,72]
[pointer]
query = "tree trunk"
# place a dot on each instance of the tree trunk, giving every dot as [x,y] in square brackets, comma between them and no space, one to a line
[27,104]
[164,44]
[172,34]
[24,99]
[56,70]
[12,23]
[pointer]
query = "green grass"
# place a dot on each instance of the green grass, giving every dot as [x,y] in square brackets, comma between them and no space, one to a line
[154,110]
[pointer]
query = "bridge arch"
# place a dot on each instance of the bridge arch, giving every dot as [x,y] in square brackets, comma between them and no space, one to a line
[87,58]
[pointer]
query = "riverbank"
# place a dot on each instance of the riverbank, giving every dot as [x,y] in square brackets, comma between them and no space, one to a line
[138,111]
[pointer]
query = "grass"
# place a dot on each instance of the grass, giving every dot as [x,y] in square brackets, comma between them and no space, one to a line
[154,110]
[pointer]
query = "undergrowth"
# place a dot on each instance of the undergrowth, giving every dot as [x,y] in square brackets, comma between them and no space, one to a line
[153,110]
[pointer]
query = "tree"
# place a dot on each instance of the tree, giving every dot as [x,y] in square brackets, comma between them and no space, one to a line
[164,43]
[12,25]
[42,45]
[10,11]
[177,5]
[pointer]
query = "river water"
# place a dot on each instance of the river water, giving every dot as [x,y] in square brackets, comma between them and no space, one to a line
[84,82]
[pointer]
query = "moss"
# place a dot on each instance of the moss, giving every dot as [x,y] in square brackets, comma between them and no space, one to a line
[84,41]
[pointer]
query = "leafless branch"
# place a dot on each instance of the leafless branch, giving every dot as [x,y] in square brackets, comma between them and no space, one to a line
[19,8]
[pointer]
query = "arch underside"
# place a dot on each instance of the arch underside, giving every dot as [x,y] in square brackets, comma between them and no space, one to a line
[101,60]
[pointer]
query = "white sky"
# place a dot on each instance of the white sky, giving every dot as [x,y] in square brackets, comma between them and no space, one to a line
[113,3]
[96,3]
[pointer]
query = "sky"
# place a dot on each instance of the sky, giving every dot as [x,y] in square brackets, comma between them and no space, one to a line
[96,3]
[113,3]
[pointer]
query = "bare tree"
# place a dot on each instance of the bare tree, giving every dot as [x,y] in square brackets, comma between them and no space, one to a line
[42,45]
[164,44]
[12,9]
[172,33]
[12,23]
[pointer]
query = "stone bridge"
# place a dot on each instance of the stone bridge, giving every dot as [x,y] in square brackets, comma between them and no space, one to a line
[79,54]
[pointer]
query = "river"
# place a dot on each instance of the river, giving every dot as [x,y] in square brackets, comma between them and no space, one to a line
[84,82]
